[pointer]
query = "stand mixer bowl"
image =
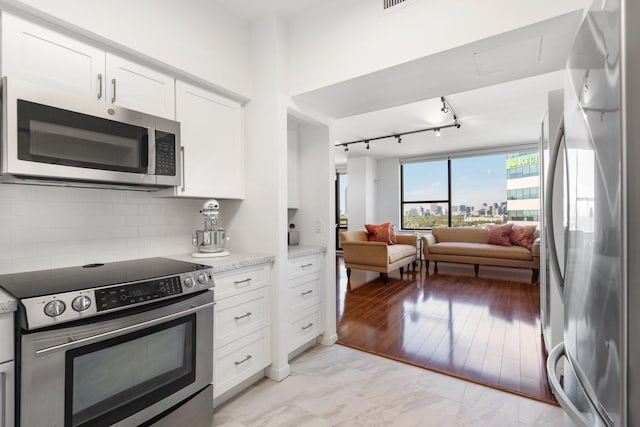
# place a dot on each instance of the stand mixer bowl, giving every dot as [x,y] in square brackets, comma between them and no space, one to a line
[210,241]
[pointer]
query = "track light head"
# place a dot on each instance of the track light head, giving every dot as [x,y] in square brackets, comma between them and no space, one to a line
[346,148]
[437,131]
[458,124]
[399,139]
[367,142]
[445,107]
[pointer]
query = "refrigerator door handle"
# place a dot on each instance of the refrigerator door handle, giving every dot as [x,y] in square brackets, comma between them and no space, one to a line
[557,353]
[548,207]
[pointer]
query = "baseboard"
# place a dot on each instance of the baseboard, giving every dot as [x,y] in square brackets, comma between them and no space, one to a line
[329,339]
[278,374]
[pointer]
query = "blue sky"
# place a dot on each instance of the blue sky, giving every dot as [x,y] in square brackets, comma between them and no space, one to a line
[474,180]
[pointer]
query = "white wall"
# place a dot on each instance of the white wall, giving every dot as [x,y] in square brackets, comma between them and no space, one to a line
[358,38]
[388,192]
[195,36]
[50,227]
[361,199]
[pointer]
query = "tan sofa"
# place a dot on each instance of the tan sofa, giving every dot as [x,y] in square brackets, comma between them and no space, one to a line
[469,245]
[360,254]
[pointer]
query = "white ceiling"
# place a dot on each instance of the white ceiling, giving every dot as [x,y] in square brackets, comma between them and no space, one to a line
[497,86]
[252,10]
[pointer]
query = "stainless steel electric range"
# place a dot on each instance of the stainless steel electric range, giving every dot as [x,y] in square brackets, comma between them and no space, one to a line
[124,343]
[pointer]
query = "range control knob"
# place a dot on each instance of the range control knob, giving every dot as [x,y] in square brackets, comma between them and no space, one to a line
[54,308]
[188,282]
[203,278]
[81,303]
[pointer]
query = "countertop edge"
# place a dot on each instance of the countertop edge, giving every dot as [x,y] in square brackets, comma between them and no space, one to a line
[232,262]
[300,251]
[8,304]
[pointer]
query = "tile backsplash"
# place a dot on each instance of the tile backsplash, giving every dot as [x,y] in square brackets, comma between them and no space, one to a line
[49,227]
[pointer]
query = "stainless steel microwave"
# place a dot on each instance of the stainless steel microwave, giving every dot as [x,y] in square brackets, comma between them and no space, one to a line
[54,138]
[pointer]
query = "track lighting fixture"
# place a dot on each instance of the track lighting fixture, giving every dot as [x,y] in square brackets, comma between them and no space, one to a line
[446,108]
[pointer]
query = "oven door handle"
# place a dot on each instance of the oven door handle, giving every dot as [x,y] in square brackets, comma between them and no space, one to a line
[142,325]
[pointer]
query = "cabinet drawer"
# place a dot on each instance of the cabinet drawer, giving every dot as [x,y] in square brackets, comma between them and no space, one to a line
[235,282]
[239,360]
[6,337]
[240,315]
[304,291]
[305,265]
[305,328]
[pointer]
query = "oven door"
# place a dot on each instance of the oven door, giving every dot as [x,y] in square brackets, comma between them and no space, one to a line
[121,371]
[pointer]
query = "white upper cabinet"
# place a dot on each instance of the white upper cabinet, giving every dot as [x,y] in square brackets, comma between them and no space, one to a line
[131,85]
[46,57]
[211,133]
[37,54]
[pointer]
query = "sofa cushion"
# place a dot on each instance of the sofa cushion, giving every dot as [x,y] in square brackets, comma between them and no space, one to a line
[382,233]
[460,234]
[397,252]
[481,250]
[523,235]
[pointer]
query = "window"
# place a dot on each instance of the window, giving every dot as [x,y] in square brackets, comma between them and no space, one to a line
[470,191]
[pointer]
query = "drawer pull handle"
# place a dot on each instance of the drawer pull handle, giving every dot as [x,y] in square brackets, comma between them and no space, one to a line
[306,292]
[243,360]
[308,326]
[306,265]
[243,316]
[239,282]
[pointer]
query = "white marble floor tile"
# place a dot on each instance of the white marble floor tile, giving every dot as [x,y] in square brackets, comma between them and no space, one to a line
[339,386]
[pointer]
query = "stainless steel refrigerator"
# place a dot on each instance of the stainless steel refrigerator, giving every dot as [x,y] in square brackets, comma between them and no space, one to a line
[600,353]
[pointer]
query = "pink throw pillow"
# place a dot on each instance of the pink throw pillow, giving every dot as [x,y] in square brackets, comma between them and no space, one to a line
[523,235]
[382,233]
[500,234]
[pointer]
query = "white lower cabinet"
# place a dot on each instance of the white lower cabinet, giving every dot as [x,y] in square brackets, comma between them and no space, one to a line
[304,292]
[241,326]
[7,371]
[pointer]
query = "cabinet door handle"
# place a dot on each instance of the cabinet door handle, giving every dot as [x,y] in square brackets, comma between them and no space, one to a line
[182,166]
[305,265]
[239,282]
[308,326]
[249,357]
[113,95]
[306,292]
[3,397]
[243,316]
[99,86]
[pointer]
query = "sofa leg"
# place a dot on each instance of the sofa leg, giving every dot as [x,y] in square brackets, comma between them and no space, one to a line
[401,272]
[348,274]
[476,267]
[414,265]
[426,263]
[535,276]
[435,266]
[384,277]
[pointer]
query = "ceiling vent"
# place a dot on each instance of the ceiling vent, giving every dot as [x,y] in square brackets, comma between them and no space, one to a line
[390,3]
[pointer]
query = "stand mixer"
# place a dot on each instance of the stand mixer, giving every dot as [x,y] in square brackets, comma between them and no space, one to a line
[210,241]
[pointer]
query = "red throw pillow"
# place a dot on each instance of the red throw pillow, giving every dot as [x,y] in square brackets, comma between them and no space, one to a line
[382,233]
[500,234]
[523,235]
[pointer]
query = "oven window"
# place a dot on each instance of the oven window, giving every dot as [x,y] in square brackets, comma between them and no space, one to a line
[56,136]
[111,380]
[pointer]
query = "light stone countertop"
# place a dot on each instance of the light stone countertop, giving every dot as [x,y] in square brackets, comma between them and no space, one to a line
[8,303]
[231,262]
[298,251]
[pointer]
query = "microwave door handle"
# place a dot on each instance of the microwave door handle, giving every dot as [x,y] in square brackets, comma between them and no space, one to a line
[151,170]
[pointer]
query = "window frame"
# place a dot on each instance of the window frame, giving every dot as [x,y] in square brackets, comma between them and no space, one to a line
[402,201]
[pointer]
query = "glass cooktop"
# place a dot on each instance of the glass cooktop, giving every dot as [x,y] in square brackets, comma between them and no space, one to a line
[48,282]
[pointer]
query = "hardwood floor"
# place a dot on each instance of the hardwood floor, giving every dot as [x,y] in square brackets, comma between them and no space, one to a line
[485,329]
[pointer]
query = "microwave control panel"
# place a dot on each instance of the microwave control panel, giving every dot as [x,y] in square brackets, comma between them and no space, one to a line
[165,154]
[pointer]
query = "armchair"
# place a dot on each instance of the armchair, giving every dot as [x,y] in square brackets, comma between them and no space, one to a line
[361,254]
